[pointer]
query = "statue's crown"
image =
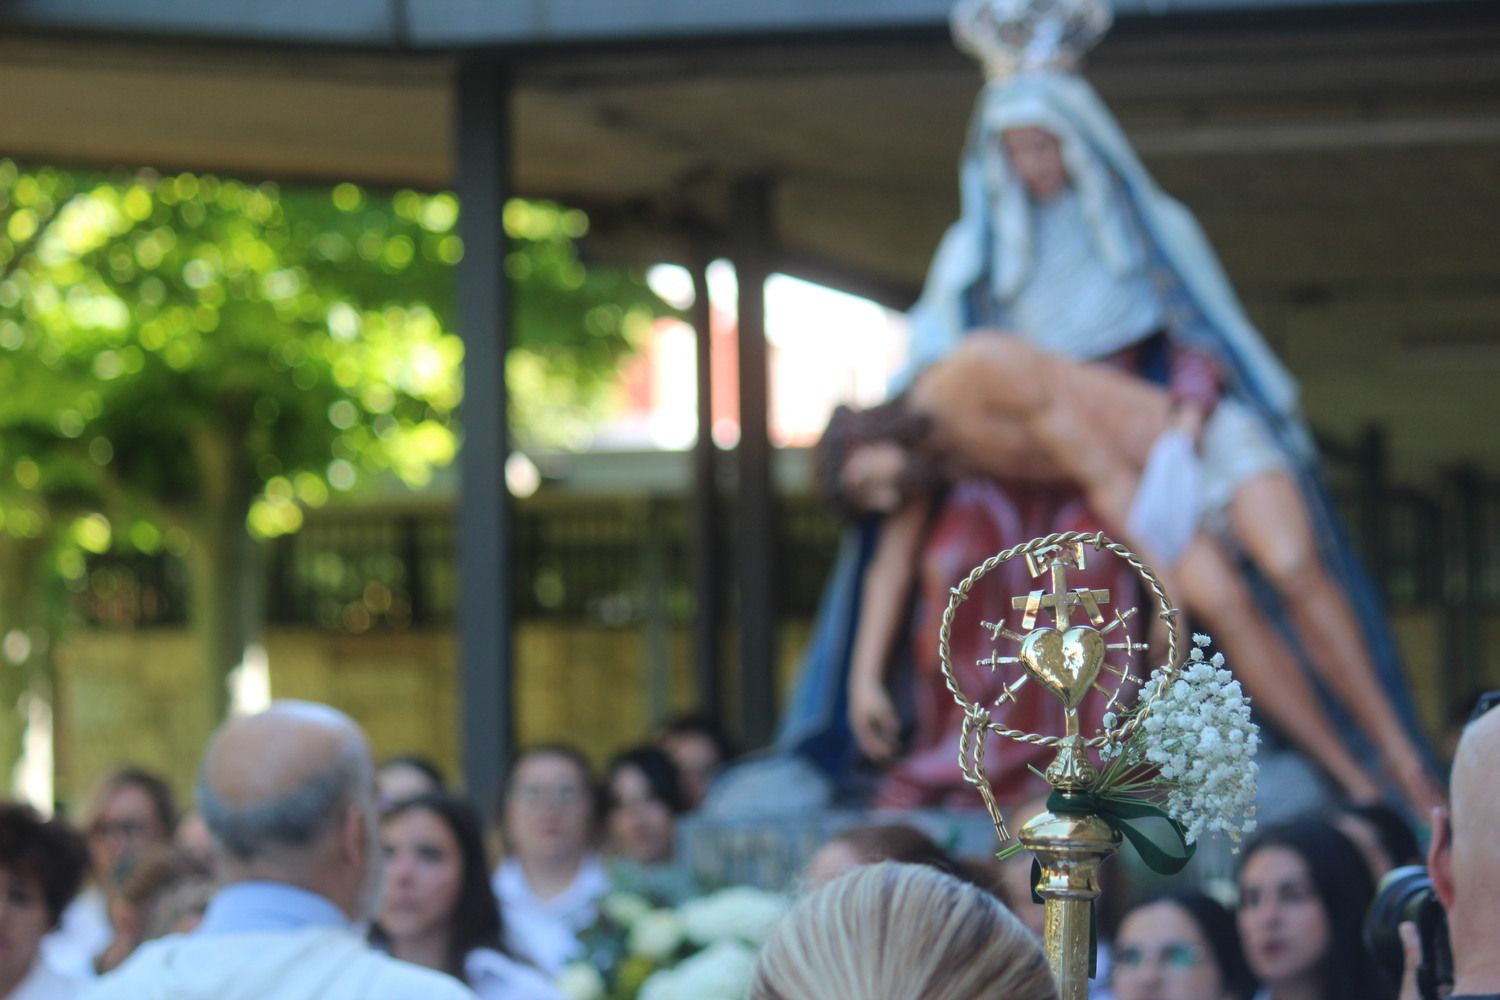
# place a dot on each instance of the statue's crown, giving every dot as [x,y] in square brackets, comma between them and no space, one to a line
[1008,36]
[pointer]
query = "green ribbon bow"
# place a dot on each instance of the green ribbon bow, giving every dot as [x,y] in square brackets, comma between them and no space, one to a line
[1160,840]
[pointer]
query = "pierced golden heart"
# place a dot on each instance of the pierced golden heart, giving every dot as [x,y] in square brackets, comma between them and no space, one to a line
[1065,663]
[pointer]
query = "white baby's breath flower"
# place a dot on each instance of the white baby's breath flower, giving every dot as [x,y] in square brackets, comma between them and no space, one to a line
[1201,743]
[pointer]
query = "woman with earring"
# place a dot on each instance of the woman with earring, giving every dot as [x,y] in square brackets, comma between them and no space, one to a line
[438,909]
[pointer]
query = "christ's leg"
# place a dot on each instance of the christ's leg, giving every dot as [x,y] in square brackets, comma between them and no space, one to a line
[1000,400]
[1216,592]
[1268,518]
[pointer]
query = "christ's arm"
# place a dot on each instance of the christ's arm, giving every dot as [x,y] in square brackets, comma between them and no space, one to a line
[883,605]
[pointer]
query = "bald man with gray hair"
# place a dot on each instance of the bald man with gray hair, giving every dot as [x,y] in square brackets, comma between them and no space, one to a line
[1464,862]
[289,797]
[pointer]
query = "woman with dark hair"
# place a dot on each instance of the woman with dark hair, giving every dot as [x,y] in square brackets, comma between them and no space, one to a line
[642,800]
[405,776]
[550,881]
[1304,890]
[41,867]
[1179,945]
[131,813]
[438,909]
[700,750]
[870,844]
[1380,833]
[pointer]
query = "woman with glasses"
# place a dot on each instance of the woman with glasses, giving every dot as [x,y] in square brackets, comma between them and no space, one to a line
[551,879]
[1179,945]
[130,814]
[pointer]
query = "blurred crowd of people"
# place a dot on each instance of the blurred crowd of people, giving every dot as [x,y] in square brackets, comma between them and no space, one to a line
[81,898]
[306,871]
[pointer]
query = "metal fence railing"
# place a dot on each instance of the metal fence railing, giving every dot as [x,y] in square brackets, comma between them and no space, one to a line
[603,561]
[616,561]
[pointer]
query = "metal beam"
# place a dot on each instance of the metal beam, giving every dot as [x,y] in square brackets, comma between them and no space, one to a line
[469,24]
[750,212]
[1332,134]
[484,509]
[708,556]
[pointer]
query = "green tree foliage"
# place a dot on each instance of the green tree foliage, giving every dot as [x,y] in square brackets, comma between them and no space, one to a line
[189,362]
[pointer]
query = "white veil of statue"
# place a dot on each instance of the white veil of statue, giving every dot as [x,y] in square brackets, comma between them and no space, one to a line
[984,258]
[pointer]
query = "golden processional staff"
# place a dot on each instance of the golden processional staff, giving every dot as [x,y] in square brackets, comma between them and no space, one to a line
[1175,750]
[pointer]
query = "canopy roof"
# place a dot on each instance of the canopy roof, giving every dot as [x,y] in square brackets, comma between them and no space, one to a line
[1343,158]
[434,24]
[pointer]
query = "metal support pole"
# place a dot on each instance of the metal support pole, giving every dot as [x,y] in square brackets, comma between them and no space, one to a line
[1465,605]
[750,212]
[654,606]
[1374,505]
[484,509]
[708,556]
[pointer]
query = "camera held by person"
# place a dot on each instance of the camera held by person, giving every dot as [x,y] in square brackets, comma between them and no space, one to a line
[1406,895]
[1463,874]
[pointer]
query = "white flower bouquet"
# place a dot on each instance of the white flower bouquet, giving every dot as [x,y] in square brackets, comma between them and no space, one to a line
[1178,763]
[722,971]
[703,949]
[1193,752]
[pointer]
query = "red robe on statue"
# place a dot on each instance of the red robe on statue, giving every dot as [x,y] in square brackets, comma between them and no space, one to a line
[979,518]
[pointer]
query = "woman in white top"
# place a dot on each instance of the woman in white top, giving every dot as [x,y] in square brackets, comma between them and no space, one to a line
[130,813]
[41,867]
[438,909]
[550,882]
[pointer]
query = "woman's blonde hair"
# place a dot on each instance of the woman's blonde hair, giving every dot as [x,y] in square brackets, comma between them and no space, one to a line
[895,932]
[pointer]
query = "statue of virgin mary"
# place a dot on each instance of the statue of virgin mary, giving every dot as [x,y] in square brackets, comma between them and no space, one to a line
[1065,242]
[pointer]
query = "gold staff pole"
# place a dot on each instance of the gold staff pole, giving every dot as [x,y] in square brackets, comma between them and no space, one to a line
[1069,847]
[1067,660]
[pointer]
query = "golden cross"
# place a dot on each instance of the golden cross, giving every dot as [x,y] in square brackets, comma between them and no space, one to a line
[1058,558]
